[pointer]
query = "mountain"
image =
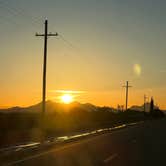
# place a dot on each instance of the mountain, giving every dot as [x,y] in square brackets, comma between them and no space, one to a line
[52,107]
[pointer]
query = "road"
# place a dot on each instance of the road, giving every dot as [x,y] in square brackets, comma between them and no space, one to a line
[142,144]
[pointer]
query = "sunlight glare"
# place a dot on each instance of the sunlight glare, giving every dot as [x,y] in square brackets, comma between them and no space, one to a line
[67,98]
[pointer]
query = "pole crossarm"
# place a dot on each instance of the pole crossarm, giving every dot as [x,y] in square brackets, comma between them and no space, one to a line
[49,34]
[127,86]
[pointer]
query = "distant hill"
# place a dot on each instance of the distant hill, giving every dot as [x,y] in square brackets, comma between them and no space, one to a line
[141,108]
[52,107]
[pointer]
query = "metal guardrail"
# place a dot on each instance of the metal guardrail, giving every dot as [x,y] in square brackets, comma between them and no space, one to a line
[63,139]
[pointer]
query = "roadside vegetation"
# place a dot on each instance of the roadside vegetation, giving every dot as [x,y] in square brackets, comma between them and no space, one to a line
[19,127]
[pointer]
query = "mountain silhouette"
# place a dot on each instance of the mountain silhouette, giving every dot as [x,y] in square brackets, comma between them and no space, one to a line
[52,107]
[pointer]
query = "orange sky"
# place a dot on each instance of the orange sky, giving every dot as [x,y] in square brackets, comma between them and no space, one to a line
[112,98]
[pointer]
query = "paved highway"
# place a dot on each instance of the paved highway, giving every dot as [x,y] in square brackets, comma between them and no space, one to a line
[141,144]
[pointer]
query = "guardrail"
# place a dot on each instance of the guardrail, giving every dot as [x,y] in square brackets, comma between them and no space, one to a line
[63,139]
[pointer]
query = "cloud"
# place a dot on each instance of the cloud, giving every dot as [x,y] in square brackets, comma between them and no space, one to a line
[67,91]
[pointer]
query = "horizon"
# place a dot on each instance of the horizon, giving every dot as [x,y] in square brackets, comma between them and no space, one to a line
[95,57]
[68,105]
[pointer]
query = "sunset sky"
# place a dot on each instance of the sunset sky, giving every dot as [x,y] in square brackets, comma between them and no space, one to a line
[108,43]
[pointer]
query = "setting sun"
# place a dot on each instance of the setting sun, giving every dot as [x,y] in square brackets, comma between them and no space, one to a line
[66,98]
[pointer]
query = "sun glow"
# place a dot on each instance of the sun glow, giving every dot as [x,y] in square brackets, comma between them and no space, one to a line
[67,98]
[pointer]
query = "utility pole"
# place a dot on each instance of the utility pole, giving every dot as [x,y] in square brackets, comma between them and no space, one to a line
[45,35]
[145,97]
[127,88]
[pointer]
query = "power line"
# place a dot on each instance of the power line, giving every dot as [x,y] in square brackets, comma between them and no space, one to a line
[67,42]
[19,12]
[9,20]
[36,21]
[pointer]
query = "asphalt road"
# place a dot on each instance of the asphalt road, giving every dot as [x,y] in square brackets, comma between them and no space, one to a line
[142,144]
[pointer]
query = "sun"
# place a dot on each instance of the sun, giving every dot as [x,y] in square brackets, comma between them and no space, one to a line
[66,98]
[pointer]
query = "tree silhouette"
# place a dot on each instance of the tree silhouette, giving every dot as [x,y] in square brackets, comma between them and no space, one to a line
[151,105]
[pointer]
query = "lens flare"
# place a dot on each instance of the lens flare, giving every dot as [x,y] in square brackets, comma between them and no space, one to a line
[137,69]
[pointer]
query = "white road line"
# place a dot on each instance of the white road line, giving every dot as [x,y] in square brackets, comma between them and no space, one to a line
[62,148]
[110,158]
[37,155]
[47,152]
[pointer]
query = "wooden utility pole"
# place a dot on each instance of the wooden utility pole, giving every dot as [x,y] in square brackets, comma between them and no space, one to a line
[127,88]
[45,35]
[145,97]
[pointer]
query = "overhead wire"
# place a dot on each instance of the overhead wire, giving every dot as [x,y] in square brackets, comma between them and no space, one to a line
[36,22]
[67,42]
[19,12]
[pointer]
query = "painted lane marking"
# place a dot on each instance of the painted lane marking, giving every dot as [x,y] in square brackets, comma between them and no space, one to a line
[110,158]
[62,148]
